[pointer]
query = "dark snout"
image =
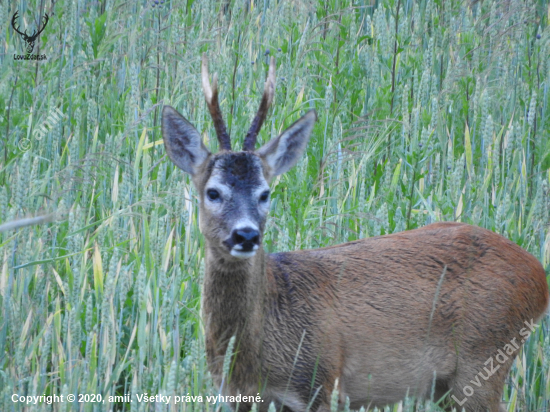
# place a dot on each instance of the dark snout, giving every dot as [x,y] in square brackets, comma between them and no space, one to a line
[247,238]
[243,242]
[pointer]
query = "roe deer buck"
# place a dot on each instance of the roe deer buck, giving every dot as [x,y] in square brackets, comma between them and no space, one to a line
[419,312]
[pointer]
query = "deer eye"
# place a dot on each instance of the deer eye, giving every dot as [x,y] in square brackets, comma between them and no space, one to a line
[264,196]
[213,194]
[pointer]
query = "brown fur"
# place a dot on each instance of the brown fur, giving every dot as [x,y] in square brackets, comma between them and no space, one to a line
[361,312]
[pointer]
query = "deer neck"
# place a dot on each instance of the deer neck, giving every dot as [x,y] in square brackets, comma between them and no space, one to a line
[234,293]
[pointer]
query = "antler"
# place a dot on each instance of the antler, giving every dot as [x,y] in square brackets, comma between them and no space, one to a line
[211,95]
[14,18]
[267,98]
[47,18]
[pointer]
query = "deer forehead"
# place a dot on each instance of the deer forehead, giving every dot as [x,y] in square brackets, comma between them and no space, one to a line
[240,172]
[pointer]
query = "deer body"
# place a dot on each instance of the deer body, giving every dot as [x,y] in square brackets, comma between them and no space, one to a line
[381,314]
[418,313]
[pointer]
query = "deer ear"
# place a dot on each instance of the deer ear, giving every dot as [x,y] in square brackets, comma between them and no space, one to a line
[284,151]
[182,141]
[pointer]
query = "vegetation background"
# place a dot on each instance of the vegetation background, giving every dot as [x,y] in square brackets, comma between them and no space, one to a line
[429,110]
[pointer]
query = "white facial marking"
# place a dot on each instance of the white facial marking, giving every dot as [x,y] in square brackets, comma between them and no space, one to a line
[245,224]
[215,182]
[258,192]
[243,255]
[260,189]
[263,207]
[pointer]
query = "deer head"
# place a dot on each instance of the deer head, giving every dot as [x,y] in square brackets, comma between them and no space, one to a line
[29,40]
[233,187]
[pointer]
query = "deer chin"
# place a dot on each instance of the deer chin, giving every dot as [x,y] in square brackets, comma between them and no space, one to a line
[241,254]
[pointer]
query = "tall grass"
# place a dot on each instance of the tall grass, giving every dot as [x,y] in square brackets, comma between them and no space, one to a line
[433,111]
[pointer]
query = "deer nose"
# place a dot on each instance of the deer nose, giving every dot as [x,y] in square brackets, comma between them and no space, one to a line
[246,238]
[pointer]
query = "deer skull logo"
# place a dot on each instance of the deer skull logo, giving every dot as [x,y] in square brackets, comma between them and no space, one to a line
[29,40]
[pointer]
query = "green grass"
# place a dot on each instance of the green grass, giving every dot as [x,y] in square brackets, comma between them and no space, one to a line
[446,119]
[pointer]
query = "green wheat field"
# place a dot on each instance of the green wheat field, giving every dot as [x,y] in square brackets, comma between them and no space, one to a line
[429,110]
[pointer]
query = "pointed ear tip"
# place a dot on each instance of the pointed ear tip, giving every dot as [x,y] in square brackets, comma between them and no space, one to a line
[167,109]
[313,113]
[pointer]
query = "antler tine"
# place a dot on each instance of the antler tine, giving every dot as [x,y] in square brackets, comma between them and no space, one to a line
[46,18]
[267,99]
[211,96]
[13,19]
